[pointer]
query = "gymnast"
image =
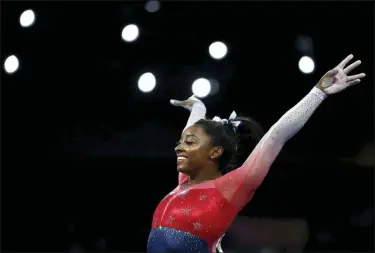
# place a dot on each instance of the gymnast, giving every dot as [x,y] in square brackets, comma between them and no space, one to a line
[211,189]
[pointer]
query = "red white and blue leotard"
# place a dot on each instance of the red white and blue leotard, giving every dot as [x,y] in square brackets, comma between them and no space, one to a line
[192,218]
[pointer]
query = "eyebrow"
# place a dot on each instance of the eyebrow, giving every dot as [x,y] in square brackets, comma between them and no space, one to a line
[190,135]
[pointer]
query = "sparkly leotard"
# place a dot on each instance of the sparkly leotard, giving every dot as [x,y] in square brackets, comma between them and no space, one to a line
[192,218]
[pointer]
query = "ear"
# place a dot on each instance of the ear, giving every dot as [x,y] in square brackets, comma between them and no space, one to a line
[216,152]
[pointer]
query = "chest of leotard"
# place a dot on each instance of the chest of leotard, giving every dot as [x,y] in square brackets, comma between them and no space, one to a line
[201,212]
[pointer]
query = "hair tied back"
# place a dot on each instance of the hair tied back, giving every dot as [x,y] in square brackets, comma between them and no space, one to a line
[231,120]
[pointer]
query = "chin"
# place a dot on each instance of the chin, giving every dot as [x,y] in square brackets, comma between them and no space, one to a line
[182,169]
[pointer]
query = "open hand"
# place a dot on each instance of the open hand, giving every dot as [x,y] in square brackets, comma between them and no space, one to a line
[337,79]
[187,104]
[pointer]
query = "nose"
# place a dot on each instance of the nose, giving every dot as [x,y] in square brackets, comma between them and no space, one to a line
[178,149]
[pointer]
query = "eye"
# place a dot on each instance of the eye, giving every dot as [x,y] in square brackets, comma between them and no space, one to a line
[186,142]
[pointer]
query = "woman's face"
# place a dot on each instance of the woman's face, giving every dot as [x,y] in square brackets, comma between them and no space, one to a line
[194,150]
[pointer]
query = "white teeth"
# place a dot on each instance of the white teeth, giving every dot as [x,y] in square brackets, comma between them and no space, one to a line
[181,158]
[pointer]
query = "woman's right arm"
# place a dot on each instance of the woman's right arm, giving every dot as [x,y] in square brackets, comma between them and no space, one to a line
[197,112]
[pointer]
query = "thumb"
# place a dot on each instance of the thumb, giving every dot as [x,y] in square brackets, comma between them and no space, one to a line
[176,102]
[332,72]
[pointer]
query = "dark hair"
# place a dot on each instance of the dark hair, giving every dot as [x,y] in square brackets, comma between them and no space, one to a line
[236,141]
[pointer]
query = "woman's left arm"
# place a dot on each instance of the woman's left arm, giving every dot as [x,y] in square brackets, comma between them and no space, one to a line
[239,185]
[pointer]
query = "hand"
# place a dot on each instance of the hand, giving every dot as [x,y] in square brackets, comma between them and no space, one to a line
[337,79]
[187,104]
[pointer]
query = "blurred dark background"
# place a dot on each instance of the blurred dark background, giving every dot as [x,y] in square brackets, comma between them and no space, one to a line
[87,156]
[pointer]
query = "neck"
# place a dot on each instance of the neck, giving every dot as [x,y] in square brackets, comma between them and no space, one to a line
[210,172]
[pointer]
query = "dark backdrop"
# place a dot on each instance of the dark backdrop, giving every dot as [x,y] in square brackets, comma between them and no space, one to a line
[86,157]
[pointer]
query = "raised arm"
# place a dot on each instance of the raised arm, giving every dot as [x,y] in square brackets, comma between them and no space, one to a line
[239,185]
[197,111]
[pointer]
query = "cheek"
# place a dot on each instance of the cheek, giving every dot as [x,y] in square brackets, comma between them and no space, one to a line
[200,154]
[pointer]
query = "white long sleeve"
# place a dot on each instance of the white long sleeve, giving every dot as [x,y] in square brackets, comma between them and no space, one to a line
[239,185]
[197,112]
[294,119]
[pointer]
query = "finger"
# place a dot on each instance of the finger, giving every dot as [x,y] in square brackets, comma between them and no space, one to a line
[176,102]
[332,72]
[351,83]
[359,76]
[352,66]
[345,61]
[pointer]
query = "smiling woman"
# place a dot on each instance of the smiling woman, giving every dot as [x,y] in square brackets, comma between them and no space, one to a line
[197,213]
[211,144]
[192,156]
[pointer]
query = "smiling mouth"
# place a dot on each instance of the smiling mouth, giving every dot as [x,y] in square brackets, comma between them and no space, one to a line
[181,158]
